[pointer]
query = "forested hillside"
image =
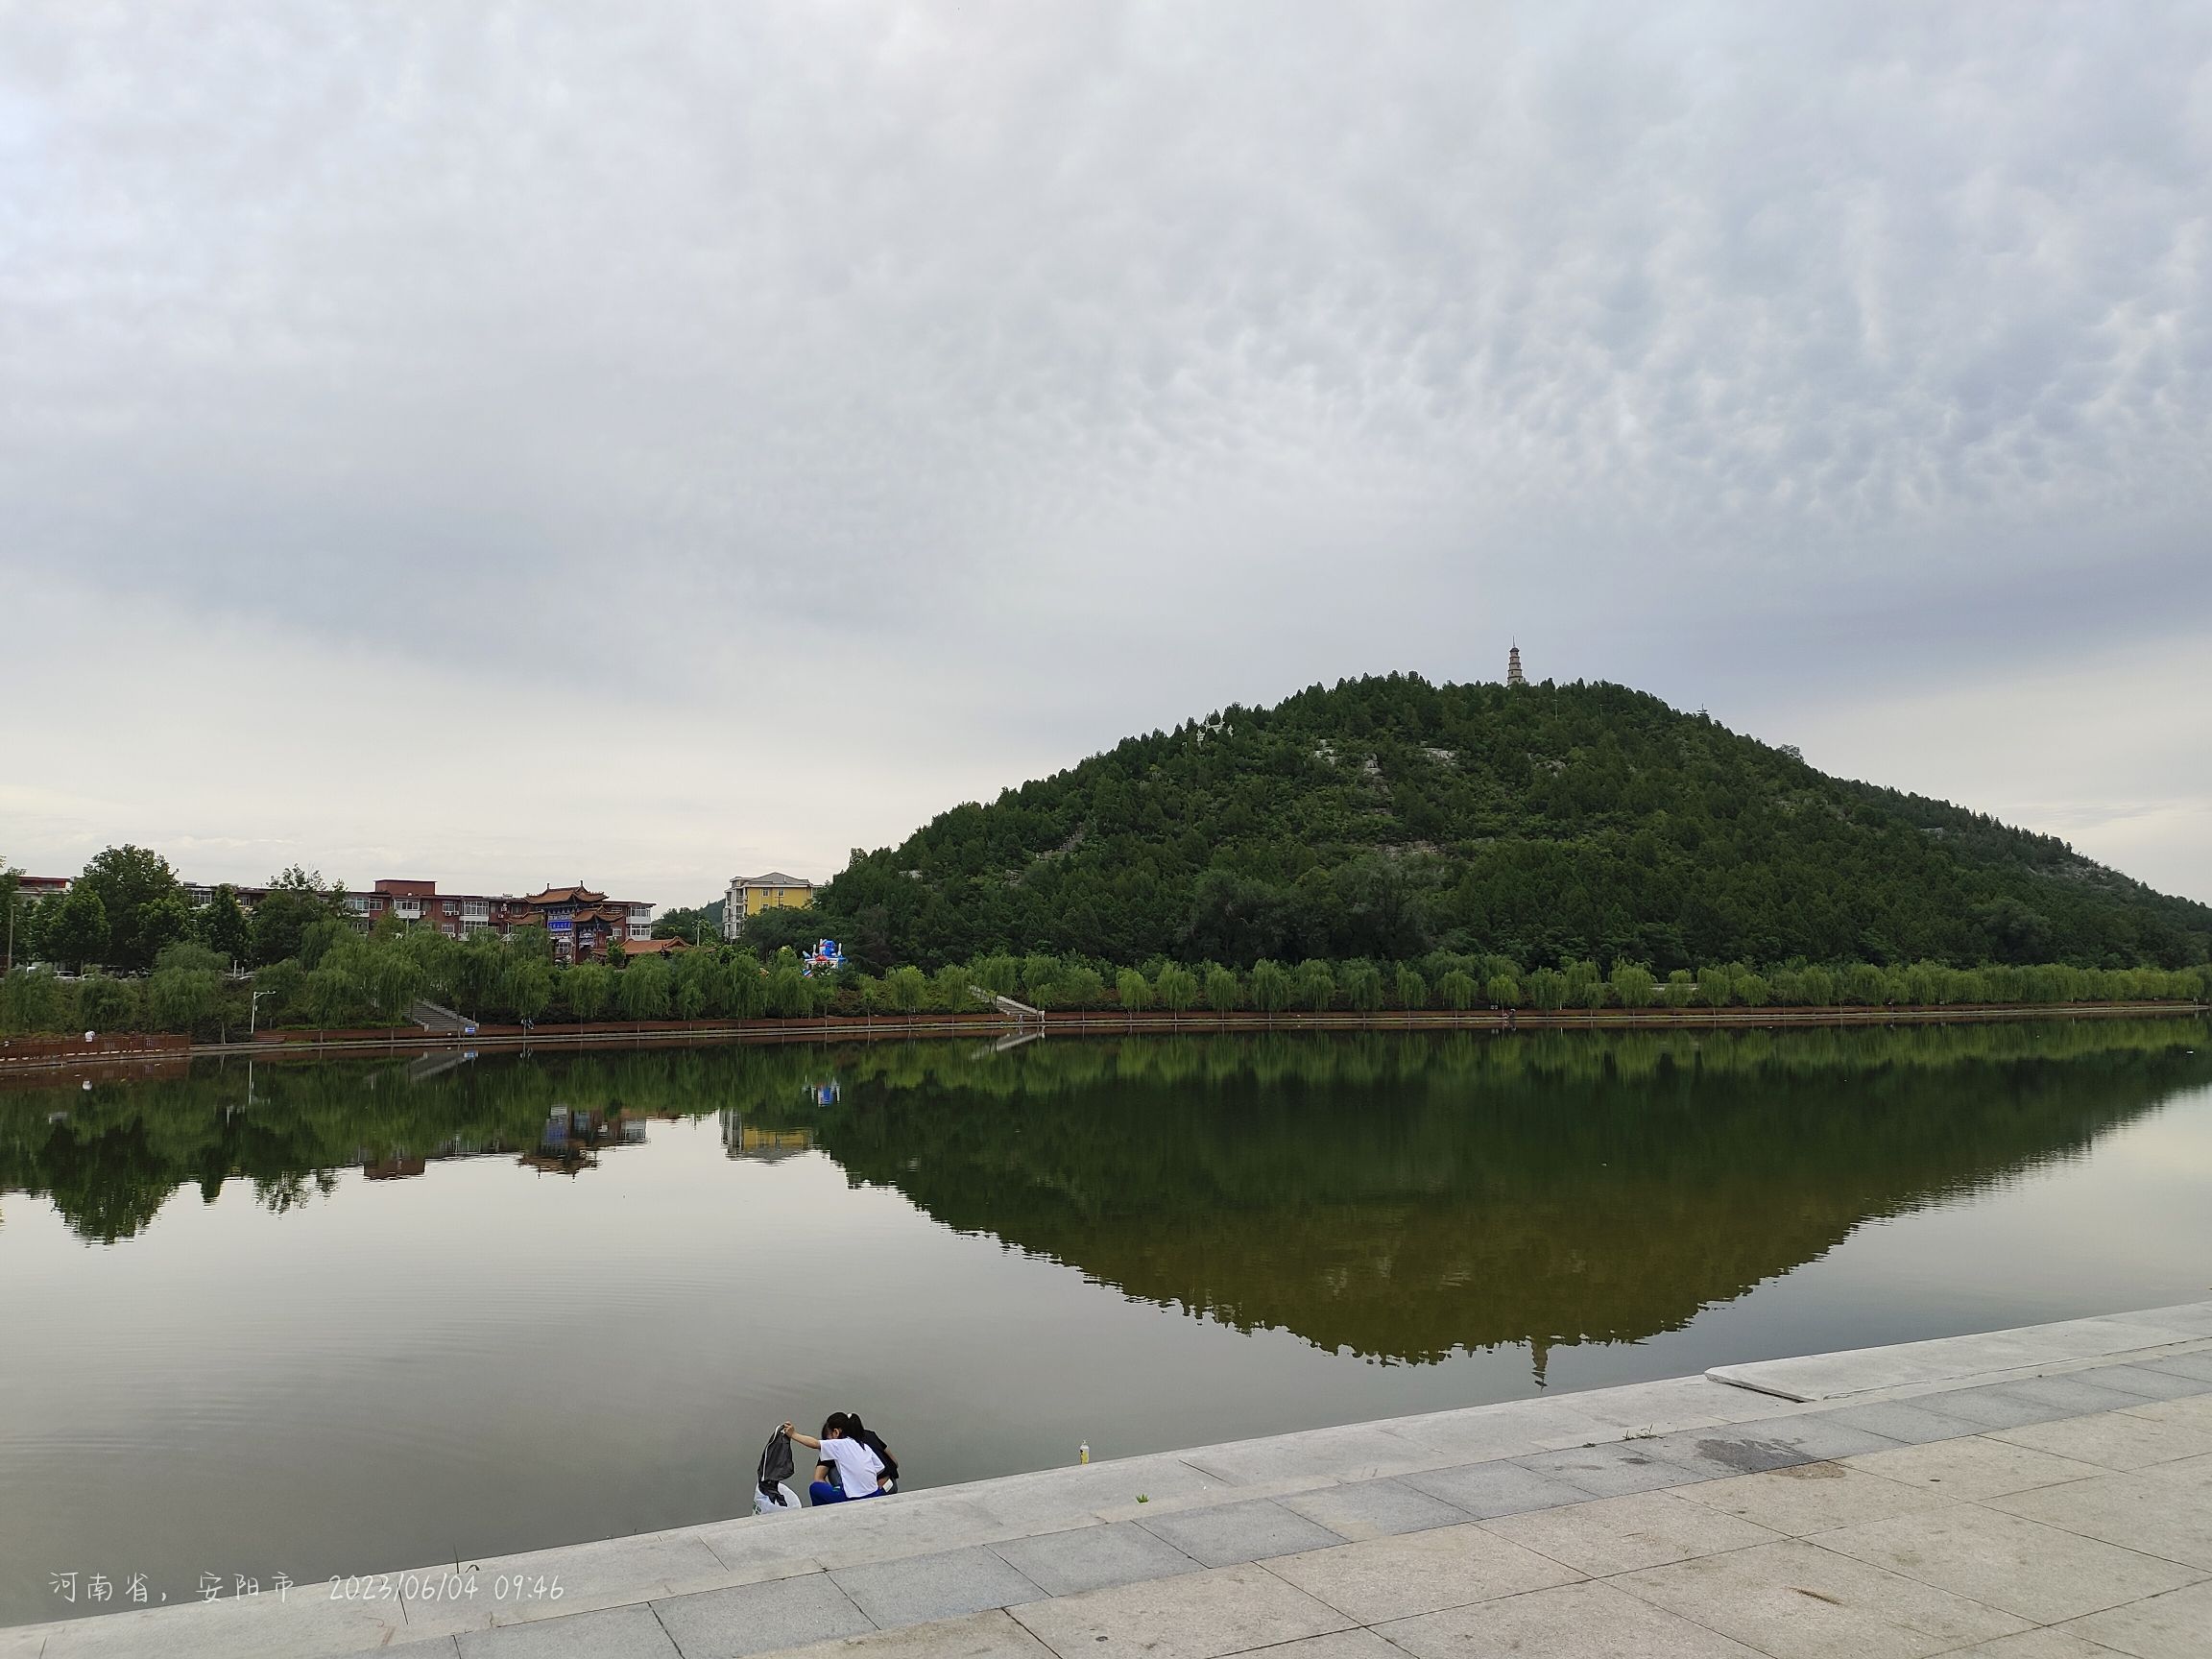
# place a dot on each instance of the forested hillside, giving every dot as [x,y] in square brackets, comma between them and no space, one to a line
[1386,818]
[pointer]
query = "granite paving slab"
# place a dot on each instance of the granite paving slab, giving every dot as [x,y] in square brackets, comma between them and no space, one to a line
[305,1624]
[1501,1488]
[1232,1532]
[1994,1406]
[2111,1439]
[1374,1510]
[1946,1359]
[1195,1615]
[1353,1643]
[2038,1571]
[1716,1453]
[604,1633]
[1362,1452]
[2051,1643]
[2195,1317]
[1811,1497]
[2196,1412]
[760,1618]
[1972,1469]
[1512,1429]
[991,1635]
[1384,1579]
[2073,1393]
[2197,1366]
[1908,1422]
[1678,1402]
[2162,1512]
[917,1588]
[2174,1625]
[1094,1557]
[1794,1600]
[1570,1622]
[1610,1536]
[1612,1470]
[2148,1382]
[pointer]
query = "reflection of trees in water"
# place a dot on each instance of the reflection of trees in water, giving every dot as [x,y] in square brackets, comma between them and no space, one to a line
[1404,1197]
[1398,1197]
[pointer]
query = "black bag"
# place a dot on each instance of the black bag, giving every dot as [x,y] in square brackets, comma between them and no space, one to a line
[775,1467]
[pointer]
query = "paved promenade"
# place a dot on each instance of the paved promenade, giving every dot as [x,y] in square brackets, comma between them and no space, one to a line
[2043,1493]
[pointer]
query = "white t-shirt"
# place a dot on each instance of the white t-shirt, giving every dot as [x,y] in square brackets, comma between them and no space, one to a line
[857,1466]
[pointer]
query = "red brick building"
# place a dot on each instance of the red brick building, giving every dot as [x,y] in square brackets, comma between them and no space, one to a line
[579,922]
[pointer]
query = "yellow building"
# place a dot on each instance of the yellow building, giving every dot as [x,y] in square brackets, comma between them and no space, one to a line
[750,895]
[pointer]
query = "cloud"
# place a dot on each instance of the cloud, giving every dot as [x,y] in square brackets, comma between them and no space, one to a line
[1003,379]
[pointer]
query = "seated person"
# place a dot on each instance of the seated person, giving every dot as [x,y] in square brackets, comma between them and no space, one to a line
[858,1469]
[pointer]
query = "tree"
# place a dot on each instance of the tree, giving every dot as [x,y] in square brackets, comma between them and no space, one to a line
[781,927]
[588,986]
[1270,987]
[906,989]
[642,988]
[1408,988]
[1546,989]
[335,994]
[1040,980]
[1634,986]
[106,1005]
[528,982]
[1133,990]
[14,936]
[1222,992]
[283,988]
[1176,988]
[952,990]
[77,931]
[1456,990]
[34,999]
[1502,989]
[295,900]
[183,998]
[221,924]
[1362,985]
[145,905]
[694,924]
[1315,983]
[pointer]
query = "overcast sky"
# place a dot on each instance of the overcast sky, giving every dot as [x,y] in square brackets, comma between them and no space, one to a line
[644,444]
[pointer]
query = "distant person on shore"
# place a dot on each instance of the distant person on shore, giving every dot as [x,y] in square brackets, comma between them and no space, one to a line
[858,1471]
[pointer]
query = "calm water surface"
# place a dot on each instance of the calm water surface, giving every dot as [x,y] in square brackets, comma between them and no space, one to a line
[338,1318]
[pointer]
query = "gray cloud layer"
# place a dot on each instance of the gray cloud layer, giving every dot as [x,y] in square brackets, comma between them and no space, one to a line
[540,372]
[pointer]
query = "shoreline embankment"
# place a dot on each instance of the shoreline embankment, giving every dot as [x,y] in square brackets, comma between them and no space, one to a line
[122,1054]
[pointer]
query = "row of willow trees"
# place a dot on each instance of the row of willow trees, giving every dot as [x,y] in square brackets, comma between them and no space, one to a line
[345,978]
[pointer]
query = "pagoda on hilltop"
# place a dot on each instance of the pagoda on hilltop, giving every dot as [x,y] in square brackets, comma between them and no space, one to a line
[1513,674]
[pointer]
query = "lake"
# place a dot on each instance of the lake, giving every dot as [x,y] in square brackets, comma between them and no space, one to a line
[317,1317]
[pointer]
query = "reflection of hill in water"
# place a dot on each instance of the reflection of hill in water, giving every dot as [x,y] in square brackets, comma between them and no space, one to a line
[1398,1197]
[1404,1197]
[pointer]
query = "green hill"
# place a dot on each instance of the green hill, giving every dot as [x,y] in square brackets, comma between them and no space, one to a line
[1389,817]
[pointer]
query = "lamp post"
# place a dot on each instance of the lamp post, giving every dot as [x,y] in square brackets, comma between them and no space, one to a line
[254,1009]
